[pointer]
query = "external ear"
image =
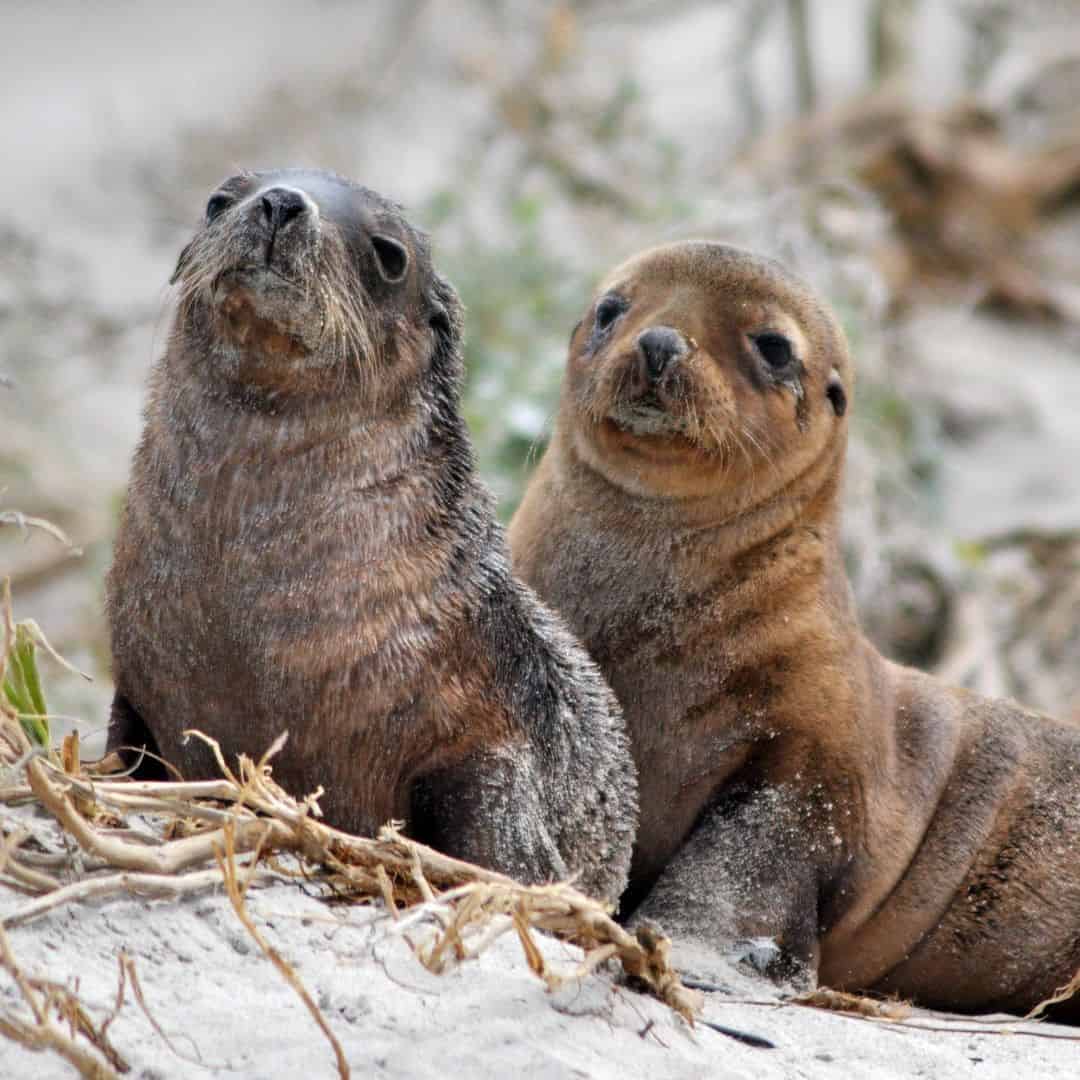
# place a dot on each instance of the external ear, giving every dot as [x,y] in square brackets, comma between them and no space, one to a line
[445,312]
[392,258]
[835,392]
[439,320]
[181,263]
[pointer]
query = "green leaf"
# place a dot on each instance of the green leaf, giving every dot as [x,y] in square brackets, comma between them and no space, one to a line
[22,684]
[26,660]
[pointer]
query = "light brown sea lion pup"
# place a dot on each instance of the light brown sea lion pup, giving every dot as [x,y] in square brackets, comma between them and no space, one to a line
[889,832]
[306,546]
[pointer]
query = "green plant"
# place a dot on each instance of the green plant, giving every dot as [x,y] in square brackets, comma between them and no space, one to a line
[22,683]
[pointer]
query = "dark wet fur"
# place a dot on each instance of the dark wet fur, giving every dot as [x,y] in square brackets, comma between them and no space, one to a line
[306,546]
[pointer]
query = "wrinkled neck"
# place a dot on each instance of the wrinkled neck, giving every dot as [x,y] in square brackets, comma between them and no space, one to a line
[722,523]
[713,539]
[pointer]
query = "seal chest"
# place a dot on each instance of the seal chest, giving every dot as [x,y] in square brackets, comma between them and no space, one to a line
[306,546]
[888,832]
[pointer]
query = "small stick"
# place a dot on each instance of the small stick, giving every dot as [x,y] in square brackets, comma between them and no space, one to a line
[745,1037]
[227,863]
[127,964]
[150,885]
[43,1034]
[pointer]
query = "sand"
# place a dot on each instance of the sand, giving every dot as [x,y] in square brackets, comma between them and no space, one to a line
[228,1012]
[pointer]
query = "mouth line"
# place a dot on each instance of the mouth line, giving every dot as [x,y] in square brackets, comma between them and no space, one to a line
[647,420]
[256,270]
[661,444]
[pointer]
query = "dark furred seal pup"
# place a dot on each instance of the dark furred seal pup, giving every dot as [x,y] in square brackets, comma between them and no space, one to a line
[889,832]
[306,547]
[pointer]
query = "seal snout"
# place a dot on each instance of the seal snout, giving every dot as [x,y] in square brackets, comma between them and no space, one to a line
[282,205]
[659,348]
[284,216]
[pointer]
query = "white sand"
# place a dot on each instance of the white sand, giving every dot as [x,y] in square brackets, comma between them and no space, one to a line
[228,1012]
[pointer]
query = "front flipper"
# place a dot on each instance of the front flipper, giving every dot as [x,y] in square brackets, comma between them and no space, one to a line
[128,735]
[488,810]
[744,885]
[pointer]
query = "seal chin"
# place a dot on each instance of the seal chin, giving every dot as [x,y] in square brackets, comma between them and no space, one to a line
[266,290]
[260,309]
[255,280]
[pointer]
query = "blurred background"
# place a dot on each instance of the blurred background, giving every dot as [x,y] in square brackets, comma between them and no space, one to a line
[917,160]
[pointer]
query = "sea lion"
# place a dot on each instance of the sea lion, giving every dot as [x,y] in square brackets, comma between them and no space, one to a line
[306,546]
[890,833]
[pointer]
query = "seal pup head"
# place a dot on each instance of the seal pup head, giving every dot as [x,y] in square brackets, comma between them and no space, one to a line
[301,283]
[701,369]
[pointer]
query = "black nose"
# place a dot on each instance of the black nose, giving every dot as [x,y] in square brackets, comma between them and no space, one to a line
[280,205]
[659,346]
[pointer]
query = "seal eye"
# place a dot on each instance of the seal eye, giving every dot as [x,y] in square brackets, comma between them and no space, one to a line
[608,310]
[217,205]
[775,350]
[834,391]
[391,257]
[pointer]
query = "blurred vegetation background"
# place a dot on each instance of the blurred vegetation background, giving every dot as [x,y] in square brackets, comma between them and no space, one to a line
[918,160]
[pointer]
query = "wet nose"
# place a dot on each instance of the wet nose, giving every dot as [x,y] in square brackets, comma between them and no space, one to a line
[659,347]
[280,205]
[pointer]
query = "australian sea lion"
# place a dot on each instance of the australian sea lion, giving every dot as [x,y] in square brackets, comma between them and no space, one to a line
[891,833]
[306,546]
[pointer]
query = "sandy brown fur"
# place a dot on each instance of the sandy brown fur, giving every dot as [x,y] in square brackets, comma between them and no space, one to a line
[306,547]
[889,832]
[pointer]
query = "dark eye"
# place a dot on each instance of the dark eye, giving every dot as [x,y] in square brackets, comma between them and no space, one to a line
[775,350]
[217,205]
[608,310]
[392,258]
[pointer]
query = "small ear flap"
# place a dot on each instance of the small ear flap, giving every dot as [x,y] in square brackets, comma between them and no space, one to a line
[391,257]
[835,392]
[181,263]
[439,320]
[445,311]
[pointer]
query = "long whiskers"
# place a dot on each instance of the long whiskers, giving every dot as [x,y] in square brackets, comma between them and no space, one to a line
[324,280]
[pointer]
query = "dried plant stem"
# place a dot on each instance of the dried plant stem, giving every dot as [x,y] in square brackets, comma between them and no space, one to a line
[37,1038]
[465,906]
[43,1034]
[154,886]
[27,878]
[226,860]
[25,521]
[1070,989]
[171,857]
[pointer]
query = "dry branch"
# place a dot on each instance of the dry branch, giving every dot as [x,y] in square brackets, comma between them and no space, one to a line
[151,886]
[226,861]
[42,997]
[455,909]
[392,868]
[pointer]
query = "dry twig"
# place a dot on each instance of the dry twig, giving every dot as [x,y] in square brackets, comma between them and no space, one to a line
[42,998]
[226,860]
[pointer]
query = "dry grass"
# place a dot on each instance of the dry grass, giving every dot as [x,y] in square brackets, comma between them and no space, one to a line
[854,1004]
[219,834]
[449,911]
[49,1002]
[1063,993]
[223,833]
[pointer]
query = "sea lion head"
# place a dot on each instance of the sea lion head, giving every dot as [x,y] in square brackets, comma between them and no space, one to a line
[300,282]
[702,369]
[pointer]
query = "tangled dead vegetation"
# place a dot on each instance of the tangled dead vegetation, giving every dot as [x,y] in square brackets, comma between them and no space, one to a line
[226,833]
[173,838]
